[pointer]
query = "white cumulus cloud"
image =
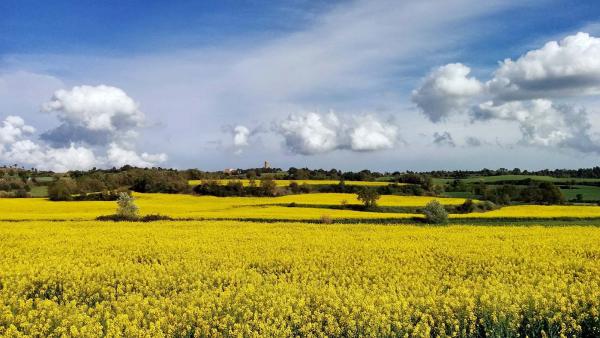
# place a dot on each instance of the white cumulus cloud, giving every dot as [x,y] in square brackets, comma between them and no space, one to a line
[93,119]
[96,115]
[445,91]
[560,68]
[523,91]
[369,134]
[118,156]
[312,133]
[13,128]
[43,157]
[96,108]
[543,123]
[240,136]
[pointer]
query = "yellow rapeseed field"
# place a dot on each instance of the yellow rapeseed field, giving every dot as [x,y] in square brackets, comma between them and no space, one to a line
[190,279]
[267,208]
[538,211]
[285,183]
[188,206]
[385,200]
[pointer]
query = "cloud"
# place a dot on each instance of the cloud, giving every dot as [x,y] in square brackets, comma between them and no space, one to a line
[523,91]
[240,136]
[445,91]
[118,156]
[365,40]
[473,141]
[42,157]
[543,123]
[94,115]
[96,108]
[443,139]
[91,116]
[369,134]
[66,134]
[12,129]
[73,157]
[239,81]
[569,67]
[312,133]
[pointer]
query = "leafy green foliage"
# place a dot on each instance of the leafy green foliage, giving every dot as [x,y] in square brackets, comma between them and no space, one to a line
[368,197]
[435,213]
[126,207]
[62,190]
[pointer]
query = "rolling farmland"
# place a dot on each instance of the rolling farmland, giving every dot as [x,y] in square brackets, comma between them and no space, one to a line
[274,266]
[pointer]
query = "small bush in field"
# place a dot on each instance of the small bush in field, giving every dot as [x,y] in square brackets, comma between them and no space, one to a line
[126,206]
[435,213]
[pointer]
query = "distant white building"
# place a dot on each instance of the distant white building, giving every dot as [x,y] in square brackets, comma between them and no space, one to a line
[230,171]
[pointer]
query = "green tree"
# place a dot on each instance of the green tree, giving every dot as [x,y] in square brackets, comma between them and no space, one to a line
[294,187]
[435,213]
[268,186]
[342,185]
[251,174]
[252,182]
[467,207]
[61,190]
[551,194]
[368,197]
[126,207]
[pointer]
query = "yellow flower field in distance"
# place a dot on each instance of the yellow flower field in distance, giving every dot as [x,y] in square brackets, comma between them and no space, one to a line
[183,279]
[43,209]
[537,211]
[285,183]
[297,213]
[385,200]
[189,206]
[273,208]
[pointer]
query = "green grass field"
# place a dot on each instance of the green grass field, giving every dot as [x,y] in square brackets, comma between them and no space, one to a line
[491,179]
[39,191]
[589,193]
[458,194]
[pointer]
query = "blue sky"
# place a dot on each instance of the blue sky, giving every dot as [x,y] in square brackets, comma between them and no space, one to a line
[217,84]
[125,27]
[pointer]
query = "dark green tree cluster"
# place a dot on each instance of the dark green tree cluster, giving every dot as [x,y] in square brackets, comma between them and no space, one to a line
[155,181]
[470,206]
[535,193]
[67,189]
[106,184]
[369,197]
[15,186]
[332,174]
[266,188]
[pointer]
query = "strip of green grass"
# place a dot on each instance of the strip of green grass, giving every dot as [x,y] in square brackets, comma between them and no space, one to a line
[589,193]
[499,178]
[39,191]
